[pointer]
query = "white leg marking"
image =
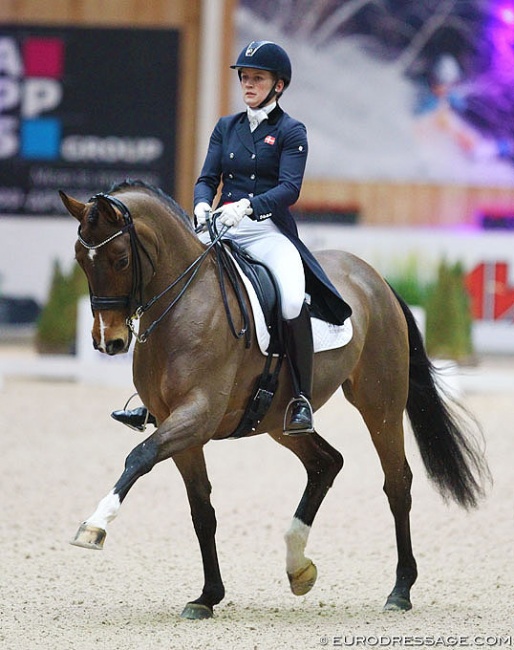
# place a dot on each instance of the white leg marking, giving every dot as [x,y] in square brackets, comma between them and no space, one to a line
[105,512]
[296,541]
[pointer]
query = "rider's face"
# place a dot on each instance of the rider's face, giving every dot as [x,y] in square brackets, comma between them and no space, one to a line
[256,85]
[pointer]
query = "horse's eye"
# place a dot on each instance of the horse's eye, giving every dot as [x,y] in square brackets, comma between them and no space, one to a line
[121,264]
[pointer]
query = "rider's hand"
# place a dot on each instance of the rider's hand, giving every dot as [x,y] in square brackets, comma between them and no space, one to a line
[201,212]
[232,213]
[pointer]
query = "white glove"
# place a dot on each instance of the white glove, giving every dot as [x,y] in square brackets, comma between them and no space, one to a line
[232,213]
[201,212]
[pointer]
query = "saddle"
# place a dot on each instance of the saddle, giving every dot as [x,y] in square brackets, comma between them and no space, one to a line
[263,282]
[262,288]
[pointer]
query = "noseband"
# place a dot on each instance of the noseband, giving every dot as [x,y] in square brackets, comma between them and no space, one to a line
[99,303]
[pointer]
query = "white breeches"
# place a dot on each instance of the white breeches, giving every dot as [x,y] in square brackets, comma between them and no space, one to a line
[266,243]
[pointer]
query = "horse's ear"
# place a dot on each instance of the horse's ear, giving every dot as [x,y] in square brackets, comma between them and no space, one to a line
[107,209]
[74,207]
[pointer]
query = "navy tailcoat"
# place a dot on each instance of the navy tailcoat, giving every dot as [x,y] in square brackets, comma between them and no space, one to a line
[267,167]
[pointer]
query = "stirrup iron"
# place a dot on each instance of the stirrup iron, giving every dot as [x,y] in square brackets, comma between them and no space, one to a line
[142,427]
[292,432]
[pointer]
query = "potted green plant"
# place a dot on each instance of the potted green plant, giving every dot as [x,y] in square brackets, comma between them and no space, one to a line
[57,324]
[448,315]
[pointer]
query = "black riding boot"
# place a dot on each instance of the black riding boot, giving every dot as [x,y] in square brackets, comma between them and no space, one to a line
[136,418]
[300,354]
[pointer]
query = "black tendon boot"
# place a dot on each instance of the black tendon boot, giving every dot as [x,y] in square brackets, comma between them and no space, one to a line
[300,354]
[136,419]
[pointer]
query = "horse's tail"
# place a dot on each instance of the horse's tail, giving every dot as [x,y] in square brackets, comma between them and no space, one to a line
[444,431]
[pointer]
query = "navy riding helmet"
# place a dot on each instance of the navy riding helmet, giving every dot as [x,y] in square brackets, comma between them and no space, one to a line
[265,55]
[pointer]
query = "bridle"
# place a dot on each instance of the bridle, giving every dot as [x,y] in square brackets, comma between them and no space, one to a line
[134,301]
[99,303]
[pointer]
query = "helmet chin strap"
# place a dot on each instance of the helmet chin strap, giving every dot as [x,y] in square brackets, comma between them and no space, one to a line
[271,95]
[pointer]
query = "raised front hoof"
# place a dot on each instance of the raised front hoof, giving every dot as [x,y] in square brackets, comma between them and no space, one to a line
[89,537]
[303,580]
[197,612]
[397,603]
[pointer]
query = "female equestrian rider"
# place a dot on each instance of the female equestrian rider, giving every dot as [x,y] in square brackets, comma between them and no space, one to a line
[259,157]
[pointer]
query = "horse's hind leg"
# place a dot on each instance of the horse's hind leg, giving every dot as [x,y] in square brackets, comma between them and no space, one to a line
[191,465]
[397,486]
[322,463]
[383,416]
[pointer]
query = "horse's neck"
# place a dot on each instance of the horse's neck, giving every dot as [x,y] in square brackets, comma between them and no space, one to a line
[179,249]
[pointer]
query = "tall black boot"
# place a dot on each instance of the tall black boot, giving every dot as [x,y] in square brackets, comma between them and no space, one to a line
[300,355]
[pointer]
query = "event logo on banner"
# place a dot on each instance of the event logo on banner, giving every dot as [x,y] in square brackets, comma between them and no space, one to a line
[81,109]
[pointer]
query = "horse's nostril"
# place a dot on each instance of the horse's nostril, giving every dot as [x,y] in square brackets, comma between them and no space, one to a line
[115,346]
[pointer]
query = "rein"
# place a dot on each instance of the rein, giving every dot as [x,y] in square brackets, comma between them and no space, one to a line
[226,263]
[188,275]
[191,270]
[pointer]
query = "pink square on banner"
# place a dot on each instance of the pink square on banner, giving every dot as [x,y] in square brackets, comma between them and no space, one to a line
[43,57]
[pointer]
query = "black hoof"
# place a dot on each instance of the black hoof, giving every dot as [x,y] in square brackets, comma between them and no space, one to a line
[197,612]
[397,603]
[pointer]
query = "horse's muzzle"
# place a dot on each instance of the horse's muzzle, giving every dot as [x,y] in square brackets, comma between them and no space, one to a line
[116,346]
[111,340]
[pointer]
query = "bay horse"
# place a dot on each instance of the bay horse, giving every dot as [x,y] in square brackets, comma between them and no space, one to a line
[142,258]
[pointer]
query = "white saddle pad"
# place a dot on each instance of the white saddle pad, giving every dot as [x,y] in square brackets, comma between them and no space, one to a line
[326,336]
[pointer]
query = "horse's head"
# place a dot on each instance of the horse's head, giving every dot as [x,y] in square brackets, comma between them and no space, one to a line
[109,251]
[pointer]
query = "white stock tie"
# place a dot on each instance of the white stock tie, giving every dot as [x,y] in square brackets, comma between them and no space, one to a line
[255,117]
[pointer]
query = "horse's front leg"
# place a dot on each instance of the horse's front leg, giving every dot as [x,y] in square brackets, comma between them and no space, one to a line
[182,430]
[91,533]
[175,434]
[181,436]
[191,465]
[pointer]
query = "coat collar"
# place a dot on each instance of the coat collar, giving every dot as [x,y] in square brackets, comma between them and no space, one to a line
[243,130]
[275,115]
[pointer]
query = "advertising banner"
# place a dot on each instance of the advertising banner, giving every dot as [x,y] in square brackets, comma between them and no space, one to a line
[83,108]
